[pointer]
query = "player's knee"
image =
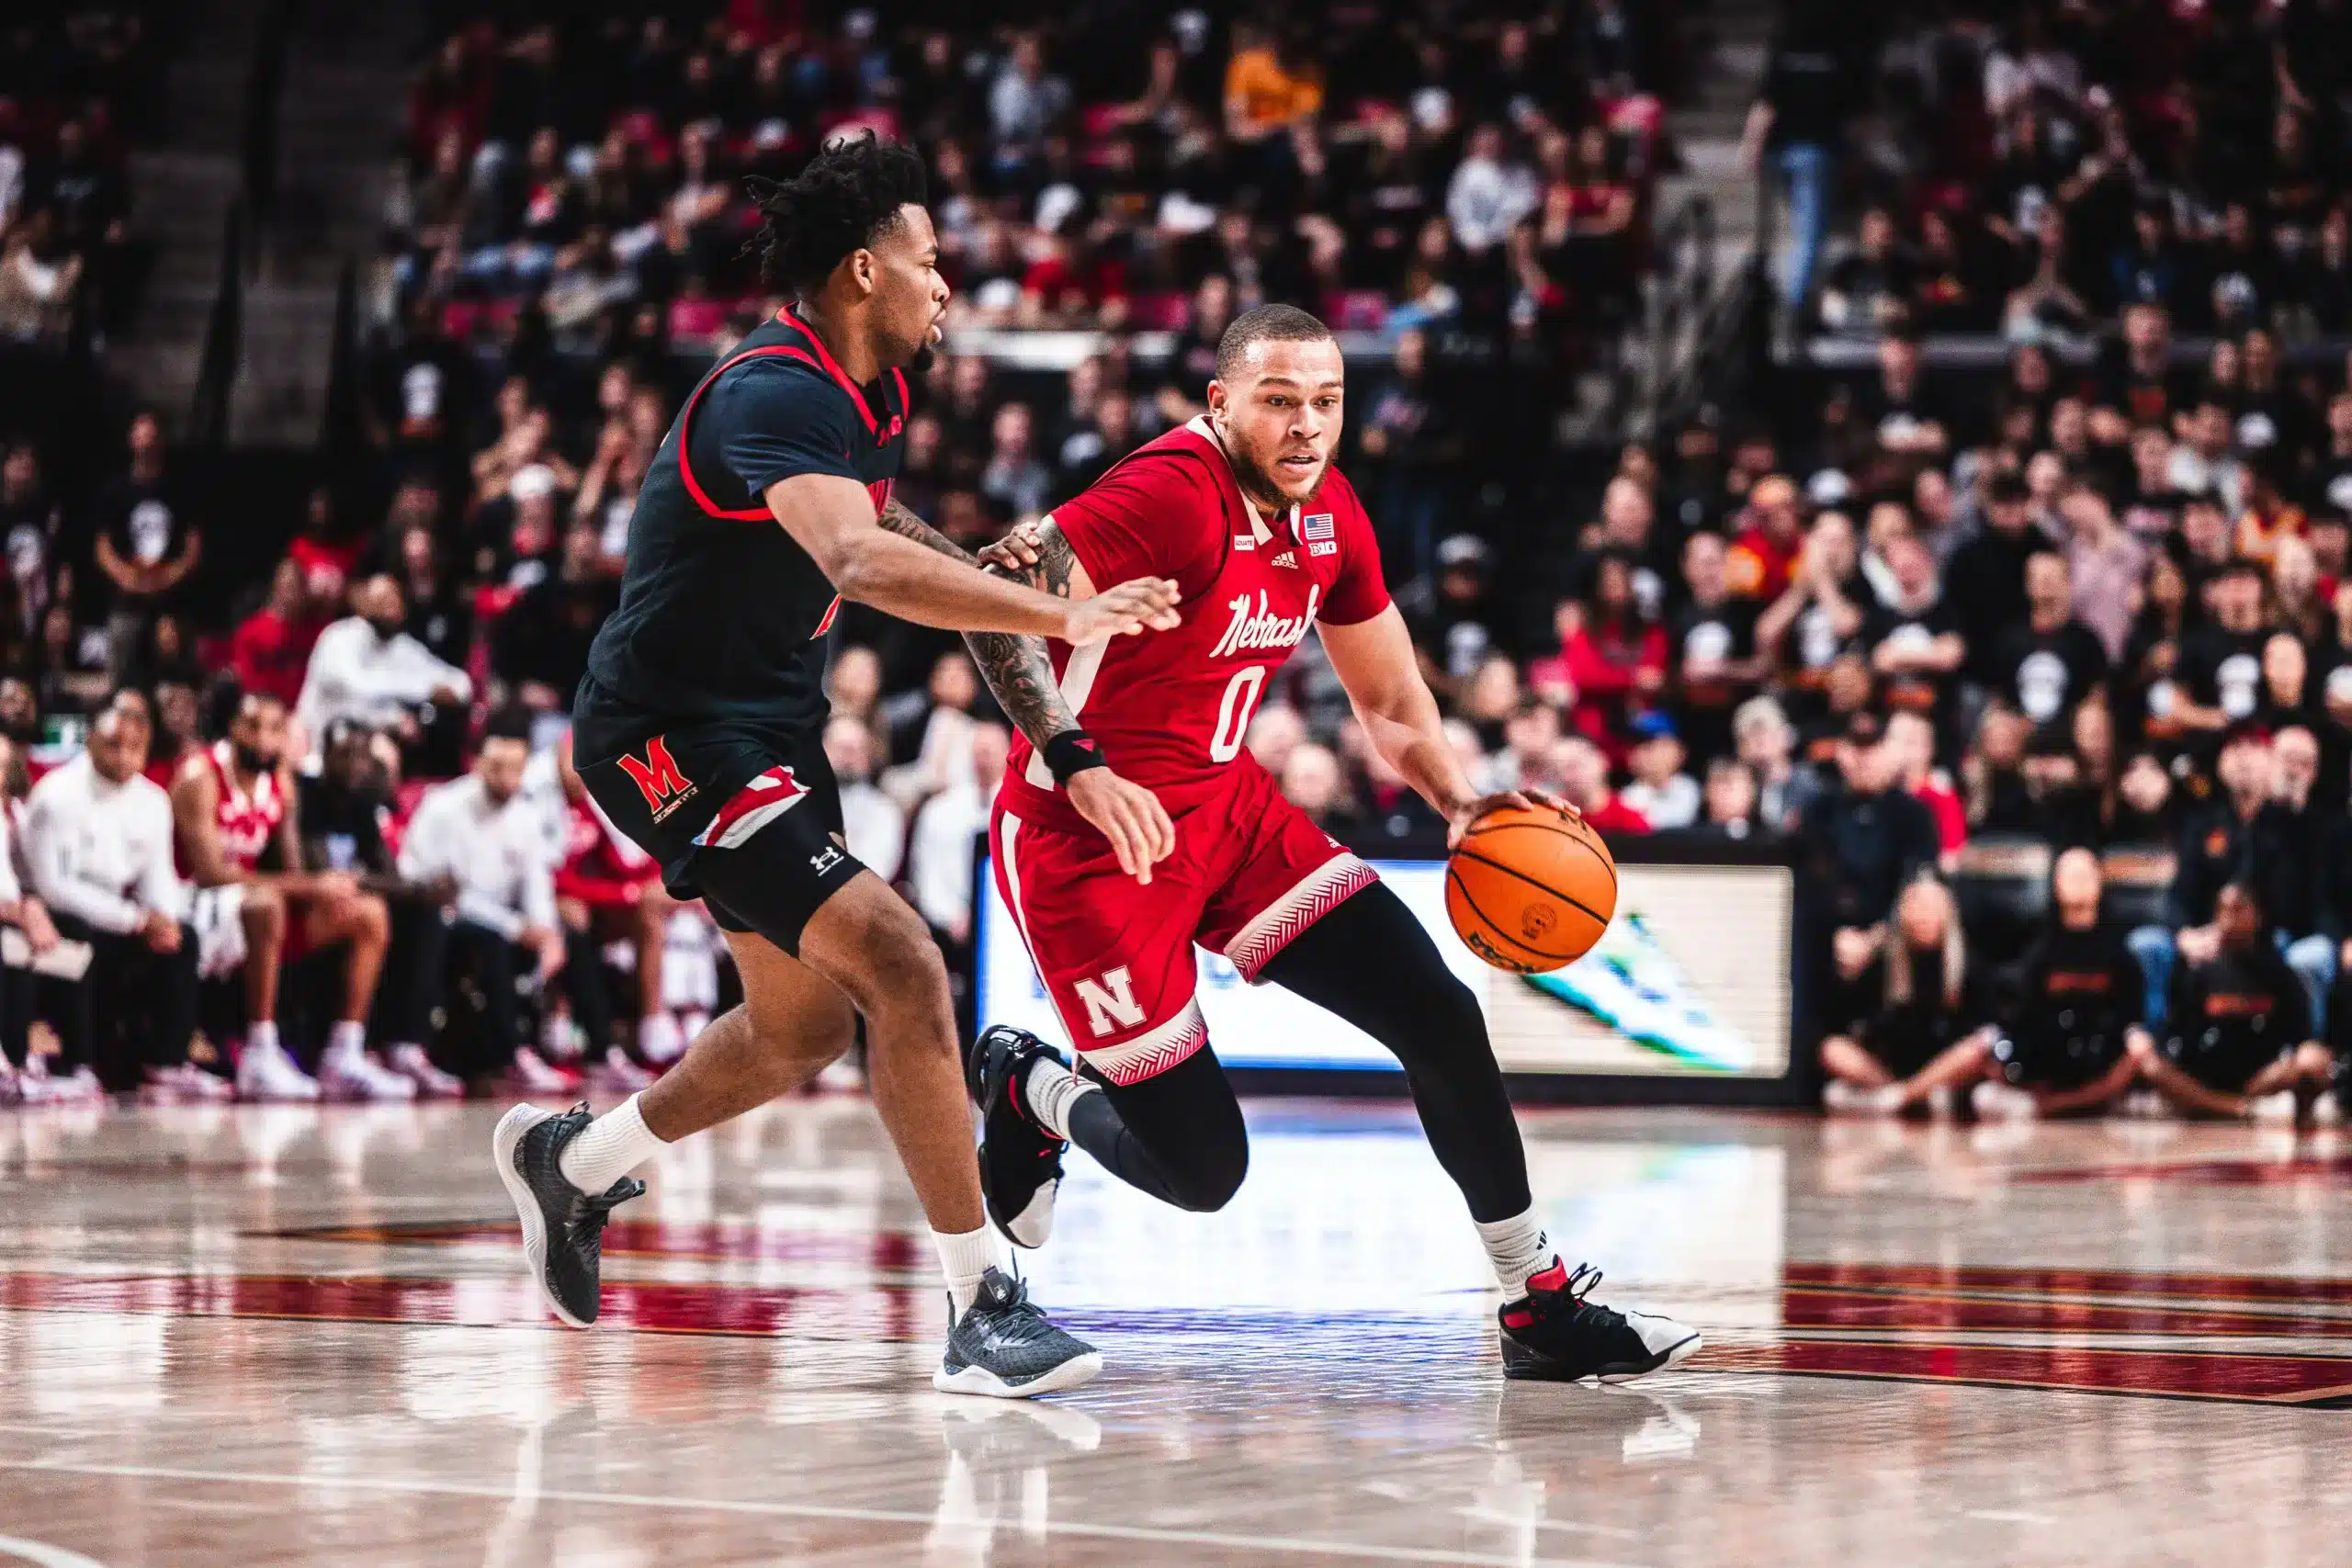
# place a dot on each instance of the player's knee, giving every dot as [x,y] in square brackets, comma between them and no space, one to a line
[264,909]
[900,969]
[371,920]
[1212,1174]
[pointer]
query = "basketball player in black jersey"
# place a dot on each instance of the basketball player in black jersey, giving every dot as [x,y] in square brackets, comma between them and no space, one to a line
[696,729]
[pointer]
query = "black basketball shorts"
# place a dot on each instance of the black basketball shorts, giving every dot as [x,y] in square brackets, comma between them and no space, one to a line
[752,827]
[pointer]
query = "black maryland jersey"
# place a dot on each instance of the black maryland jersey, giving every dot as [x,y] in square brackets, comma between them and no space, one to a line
[719,609]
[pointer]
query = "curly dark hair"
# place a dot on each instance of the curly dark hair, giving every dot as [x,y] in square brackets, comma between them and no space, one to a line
[848,195]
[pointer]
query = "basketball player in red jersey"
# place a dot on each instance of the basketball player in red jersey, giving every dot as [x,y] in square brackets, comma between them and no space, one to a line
[1120,845]
[231,801]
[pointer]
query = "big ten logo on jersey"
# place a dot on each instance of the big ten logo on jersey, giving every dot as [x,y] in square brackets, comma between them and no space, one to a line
[1110,1001]
[1255,625]
[657,777]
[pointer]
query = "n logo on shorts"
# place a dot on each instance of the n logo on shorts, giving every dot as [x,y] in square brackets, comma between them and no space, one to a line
[1111,1001]
[664,787]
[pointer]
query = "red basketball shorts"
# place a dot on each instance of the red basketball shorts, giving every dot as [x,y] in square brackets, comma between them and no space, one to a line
[1249,874]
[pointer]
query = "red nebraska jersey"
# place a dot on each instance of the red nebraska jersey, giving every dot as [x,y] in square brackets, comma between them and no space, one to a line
[1170,708]
[246,823]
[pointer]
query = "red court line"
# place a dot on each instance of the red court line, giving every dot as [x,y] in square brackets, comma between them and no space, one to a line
[2290,1380]
[873,1313]
[1931,1313]
[704,1243]
[2328,1170]
[2072,1281]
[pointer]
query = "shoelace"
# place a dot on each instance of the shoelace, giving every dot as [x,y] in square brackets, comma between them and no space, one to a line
[1022,1318]
[595,1210]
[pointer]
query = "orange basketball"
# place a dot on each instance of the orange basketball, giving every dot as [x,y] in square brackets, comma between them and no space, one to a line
[1531,889]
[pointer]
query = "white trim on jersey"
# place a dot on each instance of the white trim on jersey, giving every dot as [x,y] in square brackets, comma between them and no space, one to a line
[1278,923]
[1153,1051]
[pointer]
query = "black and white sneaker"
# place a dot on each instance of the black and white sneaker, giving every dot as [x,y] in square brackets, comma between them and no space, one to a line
[1005,1347]
[1021,1163]
[563,1228]
[1556,1334]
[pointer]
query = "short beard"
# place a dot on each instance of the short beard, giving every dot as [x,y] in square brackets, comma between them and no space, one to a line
[925,357]
[1259,485]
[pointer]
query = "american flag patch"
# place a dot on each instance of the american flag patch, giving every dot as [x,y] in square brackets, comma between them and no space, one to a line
[1317,526]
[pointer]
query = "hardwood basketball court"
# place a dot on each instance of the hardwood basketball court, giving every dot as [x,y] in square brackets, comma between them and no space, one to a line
[288,1336]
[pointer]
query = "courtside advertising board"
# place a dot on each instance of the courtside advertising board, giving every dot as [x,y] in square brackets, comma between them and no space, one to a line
[1692,980]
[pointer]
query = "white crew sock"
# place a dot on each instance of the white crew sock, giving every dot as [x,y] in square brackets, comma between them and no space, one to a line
[1052,1089]
[964,1258]
[262,1036]
[1517,1247]
[347,1041]
[613,1145]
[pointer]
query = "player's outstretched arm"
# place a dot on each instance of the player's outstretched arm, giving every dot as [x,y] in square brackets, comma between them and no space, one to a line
[833,519]
[1374,662]
[1020,672]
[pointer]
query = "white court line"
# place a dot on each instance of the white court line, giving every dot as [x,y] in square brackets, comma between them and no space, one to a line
[799,1511]
[42,1555]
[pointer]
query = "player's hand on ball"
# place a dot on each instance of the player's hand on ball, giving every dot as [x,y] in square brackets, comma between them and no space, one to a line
[1509,799]
[1128,815]
[1148,604]
[1017,551]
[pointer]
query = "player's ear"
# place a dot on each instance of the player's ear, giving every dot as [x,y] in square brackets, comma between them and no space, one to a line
[1217,399]
[861,269]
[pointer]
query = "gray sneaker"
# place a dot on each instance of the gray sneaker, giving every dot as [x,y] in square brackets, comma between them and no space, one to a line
[1005,1347]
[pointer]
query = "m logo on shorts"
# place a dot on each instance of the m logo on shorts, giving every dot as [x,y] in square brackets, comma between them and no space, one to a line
[664,787]
[1111,1001]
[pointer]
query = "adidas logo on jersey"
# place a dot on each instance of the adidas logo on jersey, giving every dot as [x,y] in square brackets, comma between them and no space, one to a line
[1261,628]
[1288,557]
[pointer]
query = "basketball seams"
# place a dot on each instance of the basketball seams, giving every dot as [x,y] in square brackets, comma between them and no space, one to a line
[1545,888]
[1576,829]
[1453,880]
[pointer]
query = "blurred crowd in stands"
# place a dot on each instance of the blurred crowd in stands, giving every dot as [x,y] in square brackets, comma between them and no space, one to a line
[78,84]
[2041,670]
[2034,168]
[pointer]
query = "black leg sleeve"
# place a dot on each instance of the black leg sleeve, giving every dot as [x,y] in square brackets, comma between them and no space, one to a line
[1373,965]
[1178,1136]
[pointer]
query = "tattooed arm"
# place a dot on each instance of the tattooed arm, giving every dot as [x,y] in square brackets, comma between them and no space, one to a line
[1017,668]
[1020,672]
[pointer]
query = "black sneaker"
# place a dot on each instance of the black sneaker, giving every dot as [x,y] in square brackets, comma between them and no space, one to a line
[1555,1335]
[1021,1163]
[563,1228]
[1005,1347]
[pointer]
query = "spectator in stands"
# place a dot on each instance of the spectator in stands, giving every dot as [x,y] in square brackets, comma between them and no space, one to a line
[2238,1028]
[1452,615]
[1581,772]
[148,544]
[1711,648]
[1863,841]
[939,851]
[1767,542]
[1918,1027]
[1665,795]
[38,981]
[1985,582]
[342,810]
[232,807]
[99,843]
[1410,440]
[2052,662]
[479,833]
[1911,742]
[1614,656]
[366,669]
[1730,803]
[1767,744]
[874,824]
[1800,117]
[271,650]
[40,280]
[2247,834]
[539,646]
[2070,1035]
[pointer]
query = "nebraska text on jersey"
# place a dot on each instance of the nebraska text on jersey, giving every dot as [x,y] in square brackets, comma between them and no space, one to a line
[1261,628]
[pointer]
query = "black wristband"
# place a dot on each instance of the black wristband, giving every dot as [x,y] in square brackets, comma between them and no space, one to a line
[1073,751]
